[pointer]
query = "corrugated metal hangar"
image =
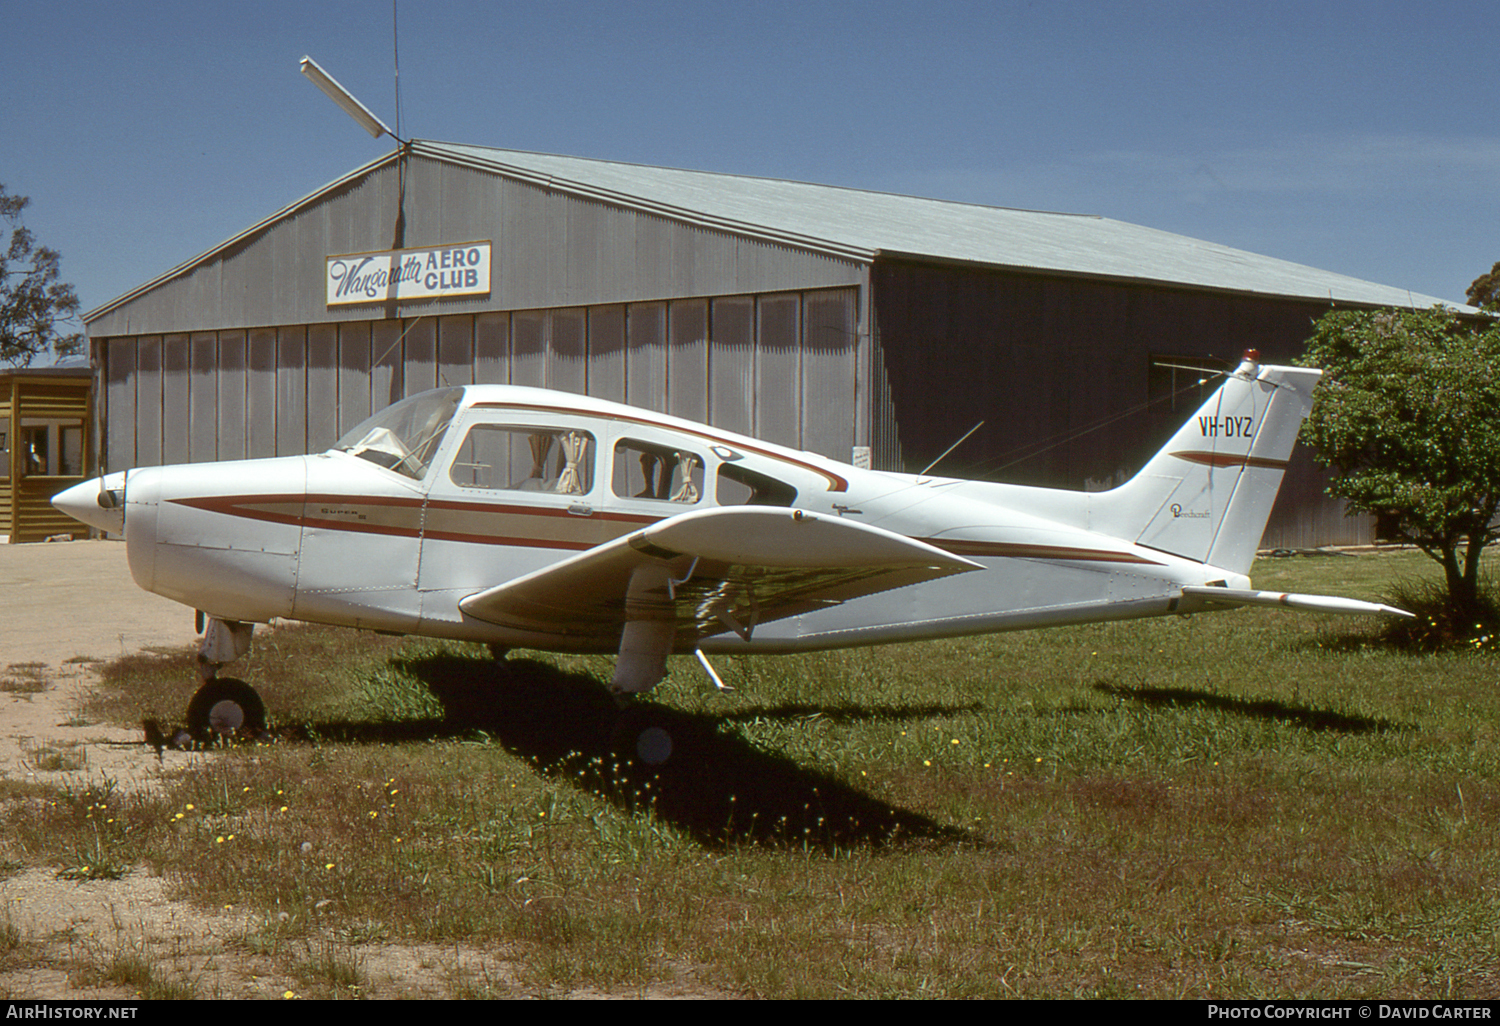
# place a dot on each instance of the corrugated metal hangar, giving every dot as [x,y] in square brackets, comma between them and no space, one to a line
[866,326]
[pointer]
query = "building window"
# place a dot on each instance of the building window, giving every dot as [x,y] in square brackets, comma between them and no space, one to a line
[50,448]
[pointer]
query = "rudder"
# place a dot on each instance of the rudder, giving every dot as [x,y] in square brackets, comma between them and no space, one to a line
[1208,493]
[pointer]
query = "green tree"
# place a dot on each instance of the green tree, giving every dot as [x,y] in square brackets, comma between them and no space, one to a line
[33,303]
[1408,418]
[1484,291]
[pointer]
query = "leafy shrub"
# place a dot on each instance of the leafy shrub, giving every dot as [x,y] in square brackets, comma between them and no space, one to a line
[1438,625]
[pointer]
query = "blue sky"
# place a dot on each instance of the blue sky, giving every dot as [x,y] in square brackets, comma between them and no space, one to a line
[1355,137]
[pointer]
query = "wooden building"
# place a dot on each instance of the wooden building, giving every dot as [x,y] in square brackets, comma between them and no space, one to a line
[45,419]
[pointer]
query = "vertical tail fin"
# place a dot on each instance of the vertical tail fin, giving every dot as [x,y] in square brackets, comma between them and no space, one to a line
[1208,493]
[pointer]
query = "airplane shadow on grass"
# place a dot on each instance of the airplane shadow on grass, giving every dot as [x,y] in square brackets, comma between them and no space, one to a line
[1264,709]
[714,785]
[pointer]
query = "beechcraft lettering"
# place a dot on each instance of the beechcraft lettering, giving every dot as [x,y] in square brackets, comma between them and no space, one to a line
[525,518]
[1178,511]
[1226,427]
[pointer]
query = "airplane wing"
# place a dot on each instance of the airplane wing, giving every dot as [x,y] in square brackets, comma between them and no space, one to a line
[710,571]
[1211,597]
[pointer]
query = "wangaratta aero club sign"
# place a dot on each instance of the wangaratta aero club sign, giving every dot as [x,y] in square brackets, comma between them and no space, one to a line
[462,269]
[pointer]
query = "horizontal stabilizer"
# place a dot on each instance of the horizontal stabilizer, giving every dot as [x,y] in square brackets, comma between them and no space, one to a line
[1229,597]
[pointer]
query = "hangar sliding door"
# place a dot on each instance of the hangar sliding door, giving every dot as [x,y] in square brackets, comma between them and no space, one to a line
[779,366]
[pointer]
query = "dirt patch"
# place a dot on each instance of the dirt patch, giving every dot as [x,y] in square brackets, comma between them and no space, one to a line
[69,607]
[126,939]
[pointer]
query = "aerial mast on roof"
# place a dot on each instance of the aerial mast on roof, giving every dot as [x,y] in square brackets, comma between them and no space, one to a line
[367,120]
[345,99]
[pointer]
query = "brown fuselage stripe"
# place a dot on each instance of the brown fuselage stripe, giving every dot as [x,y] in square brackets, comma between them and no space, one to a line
[1222,459]
[473,522]
[1010,550]
[545,527]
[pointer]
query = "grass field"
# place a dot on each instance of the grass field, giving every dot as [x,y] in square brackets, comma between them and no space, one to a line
[1242,804]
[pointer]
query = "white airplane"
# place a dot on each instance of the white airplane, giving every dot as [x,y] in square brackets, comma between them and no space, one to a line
[527,518]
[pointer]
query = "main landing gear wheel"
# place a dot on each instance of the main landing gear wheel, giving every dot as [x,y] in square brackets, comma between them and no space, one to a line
[641,736]
[226,707]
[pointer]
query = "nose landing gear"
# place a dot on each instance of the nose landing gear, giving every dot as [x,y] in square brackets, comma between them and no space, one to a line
[224,707]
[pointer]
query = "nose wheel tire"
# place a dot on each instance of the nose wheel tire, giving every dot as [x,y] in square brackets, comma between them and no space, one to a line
[226,707]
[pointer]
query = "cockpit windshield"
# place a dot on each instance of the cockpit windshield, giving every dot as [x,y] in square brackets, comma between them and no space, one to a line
[403,437]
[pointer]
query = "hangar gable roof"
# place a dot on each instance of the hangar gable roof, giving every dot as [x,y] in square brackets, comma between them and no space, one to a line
[855,222]
[863,225]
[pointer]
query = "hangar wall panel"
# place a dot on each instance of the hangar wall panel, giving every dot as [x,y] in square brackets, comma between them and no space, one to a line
[491,347]
[687,359]
[567,351]
[830,350]
[260,393]
[175,403]
[291,390]
[231,375]
[149,400]
[455,351]
[203,397]
[606,359]
[322,386]
[646,356]
[419,361]
[777,386]
[354,374]
[387,383]
[528,348]
[119,424]
[731,352]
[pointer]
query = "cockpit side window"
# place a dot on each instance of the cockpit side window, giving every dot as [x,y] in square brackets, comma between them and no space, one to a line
[525,459]
[645,470]
[741,486]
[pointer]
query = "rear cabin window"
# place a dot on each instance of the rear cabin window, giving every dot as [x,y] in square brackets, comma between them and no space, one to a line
[525,459]
[643,470]
[740,486]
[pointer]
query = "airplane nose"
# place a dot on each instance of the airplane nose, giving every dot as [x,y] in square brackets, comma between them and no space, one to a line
[99,503]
